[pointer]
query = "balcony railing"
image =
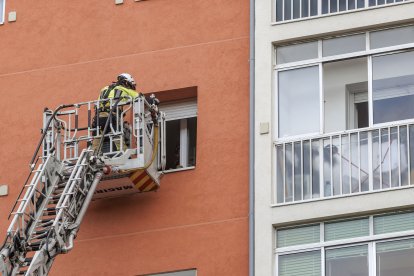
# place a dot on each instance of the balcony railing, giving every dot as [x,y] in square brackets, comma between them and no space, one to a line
[346,163]
[287,10]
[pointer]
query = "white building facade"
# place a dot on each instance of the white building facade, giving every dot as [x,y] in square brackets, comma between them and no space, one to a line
[334,142]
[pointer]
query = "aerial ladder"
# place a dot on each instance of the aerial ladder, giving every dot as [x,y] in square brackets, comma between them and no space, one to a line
[74,163]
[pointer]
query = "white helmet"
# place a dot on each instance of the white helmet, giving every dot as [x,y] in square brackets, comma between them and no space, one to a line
[126,80]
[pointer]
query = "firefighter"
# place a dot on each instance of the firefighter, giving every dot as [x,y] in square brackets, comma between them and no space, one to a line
[124,86]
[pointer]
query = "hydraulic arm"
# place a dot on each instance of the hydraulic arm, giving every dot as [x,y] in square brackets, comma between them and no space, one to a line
[65,172]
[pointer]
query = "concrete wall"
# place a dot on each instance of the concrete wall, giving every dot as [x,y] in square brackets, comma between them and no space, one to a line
[268,216]
[64,52]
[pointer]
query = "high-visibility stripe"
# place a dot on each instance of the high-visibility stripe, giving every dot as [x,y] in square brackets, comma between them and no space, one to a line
[145,185]
[150,187]
[136,176]
[142,181]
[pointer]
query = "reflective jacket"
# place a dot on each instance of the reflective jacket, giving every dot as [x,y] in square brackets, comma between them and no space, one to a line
[117,91]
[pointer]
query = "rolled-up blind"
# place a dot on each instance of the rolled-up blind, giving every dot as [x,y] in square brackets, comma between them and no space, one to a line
[298,235]
[300,264]
[176,110]
[395,246]
[393,223]
[346,229]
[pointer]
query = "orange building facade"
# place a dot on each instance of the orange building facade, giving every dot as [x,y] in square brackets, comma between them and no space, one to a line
[64,52]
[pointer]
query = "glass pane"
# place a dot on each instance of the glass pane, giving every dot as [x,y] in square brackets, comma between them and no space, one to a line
[279,10]
[192,140]
[404,155]
[327,167]
[343,45]
[307,186]
[297,52]
[342,80]
[298,171]
[351,4]
[393,87]
[342,5]
[305,8]
[376,160]
[347,261]
[299,101]
[392,37]
[372,3]
[315,169]
[288,173]
[411,139]
[325,6]
[314,7]
[385,158]
[280,174]
[336,164]
[364,157]
[346,166]
[355,163]
[361,4]
[394,152]
[393,223]
[346,229]
[299,235]
[395,258]
[296,9]
[288,9]
[333,6]
[300,264]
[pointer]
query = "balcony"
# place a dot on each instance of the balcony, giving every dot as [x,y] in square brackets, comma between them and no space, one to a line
[345,163]
[292,10]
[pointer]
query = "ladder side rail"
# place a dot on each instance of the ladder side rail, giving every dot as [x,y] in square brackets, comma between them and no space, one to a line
[53,174]
[41,263]
[67,198]
[29,197]
[73,175]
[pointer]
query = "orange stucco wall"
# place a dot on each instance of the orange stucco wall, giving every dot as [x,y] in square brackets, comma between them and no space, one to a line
[65,51]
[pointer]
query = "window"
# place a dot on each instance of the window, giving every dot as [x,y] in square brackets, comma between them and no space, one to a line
[345,122]
[180,133]
[357,247]
[2,10]
[191,272]
[343,67]
[298,101]
[287,10]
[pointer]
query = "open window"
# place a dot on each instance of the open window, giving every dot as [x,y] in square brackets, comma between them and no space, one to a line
[180,132]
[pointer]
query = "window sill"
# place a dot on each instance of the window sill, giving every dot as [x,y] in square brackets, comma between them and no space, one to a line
[179,170]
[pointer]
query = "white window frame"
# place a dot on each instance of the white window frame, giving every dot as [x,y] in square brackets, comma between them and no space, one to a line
[182,110]
[3,12]
[371,240]
[369,53]
[321,15]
